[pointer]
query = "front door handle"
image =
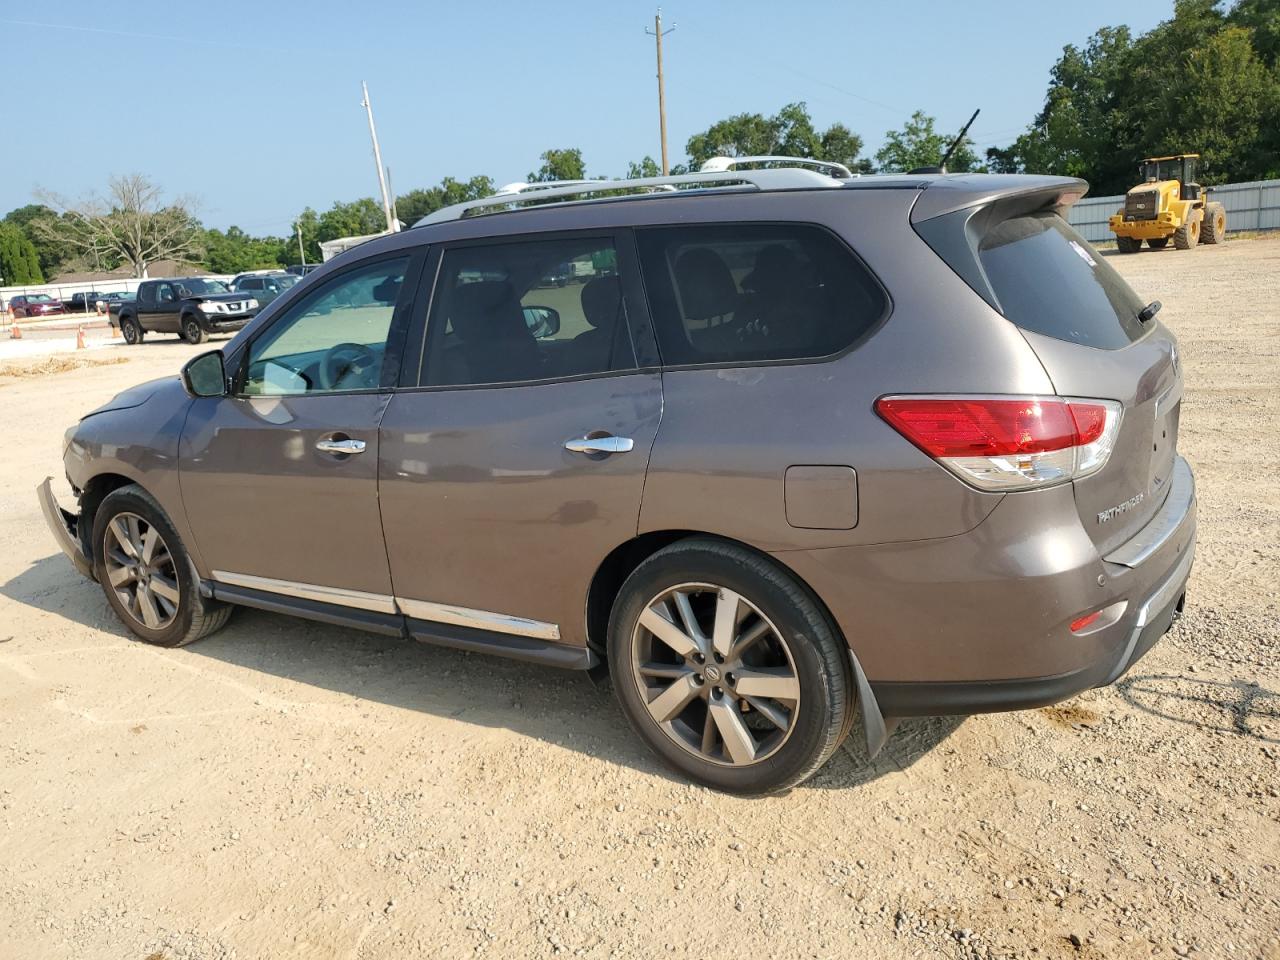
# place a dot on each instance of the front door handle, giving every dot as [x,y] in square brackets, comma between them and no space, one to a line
[344,446]
[600,446]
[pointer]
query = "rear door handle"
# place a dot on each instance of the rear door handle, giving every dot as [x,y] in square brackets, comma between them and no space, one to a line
[601,446]
[346,446]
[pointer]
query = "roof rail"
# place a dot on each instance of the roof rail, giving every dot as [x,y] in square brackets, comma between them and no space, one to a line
[520,193]
[839,170]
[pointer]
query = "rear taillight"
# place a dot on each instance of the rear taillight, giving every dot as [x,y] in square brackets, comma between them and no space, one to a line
[1008,443]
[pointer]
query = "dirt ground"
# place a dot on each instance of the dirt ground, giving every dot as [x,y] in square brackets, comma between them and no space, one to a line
[291,789]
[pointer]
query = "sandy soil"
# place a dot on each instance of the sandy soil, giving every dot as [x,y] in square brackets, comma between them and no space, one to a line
[290,789]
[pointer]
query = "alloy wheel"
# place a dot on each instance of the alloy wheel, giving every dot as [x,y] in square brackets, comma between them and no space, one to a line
[716,675]
[141,571]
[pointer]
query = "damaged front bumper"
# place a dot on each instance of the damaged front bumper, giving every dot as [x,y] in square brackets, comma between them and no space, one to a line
[65,528]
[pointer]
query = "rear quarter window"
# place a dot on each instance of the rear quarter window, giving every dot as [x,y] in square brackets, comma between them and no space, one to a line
[739,293]
[1049,280]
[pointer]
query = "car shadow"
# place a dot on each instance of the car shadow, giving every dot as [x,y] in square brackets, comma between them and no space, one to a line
[1226,706]
[558,706]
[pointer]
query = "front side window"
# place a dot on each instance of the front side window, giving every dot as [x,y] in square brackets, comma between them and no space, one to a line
[333,340]
[741,293]
[533,310]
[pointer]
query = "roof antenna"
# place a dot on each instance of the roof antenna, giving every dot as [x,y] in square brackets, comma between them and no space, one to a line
[942,164]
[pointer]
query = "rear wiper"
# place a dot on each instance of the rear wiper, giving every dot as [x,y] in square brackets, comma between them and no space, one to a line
[1149,311]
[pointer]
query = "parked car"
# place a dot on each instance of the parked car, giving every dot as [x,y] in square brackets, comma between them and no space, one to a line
[821,449]
[35,305]
[192,307]
[83,302]
[302,269]
[109,303]
[264,287]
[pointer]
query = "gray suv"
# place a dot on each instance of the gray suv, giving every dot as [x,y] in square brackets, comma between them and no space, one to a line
[781,451]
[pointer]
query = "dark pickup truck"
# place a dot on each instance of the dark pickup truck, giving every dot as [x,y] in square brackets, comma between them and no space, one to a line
[192,307]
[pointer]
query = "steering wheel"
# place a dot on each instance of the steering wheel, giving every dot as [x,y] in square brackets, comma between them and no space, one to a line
[346,361]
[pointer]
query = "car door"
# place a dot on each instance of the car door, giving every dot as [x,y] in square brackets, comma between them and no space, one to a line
[280,479]
[514,459]
[162,314]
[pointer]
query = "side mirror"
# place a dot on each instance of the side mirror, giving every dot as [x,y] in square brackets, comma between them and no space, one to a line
[205,375]
[542,321]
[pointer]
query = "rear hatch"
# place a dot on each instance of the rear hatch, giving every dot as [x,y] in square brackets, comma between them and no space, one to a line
[1082,320]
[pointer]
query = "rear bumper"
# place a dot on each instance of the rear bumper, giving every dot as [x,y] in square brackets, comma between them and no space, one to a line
[1153,621]
[981,622]
[63,526]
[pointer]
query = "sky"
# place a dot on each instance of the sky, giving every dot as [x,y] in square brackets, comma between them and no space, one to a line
[253,109]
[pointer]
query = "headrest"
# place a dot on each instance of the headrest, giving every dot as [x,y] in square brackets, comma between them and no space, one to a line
[706,285]
[600,300]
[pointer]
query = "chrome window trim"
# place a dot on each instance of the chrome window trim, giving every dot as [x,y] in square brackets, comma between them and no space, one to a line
[478,619]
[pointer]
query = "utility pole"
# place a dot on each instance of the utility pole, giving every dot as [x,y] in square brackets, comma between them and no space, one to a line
[658,33]
[395,215]
[377,159]
[301,250]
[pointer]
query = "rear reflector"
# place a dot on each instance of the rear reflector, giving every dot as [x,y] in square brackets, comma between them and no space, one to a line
[1079,623]
[1008,443]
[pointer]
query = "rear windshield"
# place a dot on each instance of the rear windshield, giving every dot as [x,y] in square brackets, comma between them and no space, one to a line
[1049,280]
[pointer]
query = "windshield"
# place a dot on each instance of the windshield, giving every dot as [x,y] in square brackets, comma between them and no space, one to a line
[198,287]
[1162,170]
[39,298]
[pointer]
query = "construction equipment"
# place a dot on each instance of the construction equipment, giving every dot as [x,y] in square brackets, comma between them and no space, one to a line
[1168,203]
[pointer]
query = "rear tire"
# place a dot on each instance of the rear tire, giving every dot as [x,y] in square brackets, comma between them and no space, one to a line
[1128,244]
[1158,243]
[145,572]
[192,332]
[709,725]
[1214,229]
[131,331]
[1187,235]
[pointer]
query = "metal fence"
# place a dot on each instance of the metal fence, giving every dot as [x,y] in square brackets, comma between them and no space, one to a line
[1250,206]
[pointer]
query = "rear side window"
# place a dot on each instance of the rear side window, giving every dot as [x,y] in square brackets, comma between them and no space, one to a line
[1048,280]
[738,293]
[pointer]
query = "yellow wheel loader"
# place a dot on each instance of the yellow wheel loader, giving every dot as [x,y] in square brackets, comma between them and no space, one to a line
[1168,203]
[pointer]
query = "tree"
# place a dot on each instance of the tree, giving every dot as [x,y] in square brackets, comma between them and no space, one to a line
[917,144]
[416,204]
[18,261]
[308,223]
[560,165]
[356,219]
[789,132]
[52,253]
[131,224]
[235,251]
[1202,82]
[648,167]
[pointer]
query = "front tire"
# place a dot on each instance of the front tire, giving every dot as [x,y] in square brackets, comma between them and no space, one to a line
[1128,244]
[1187,235]
[145,573]
[728,668]
[192,331]
[131,331]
